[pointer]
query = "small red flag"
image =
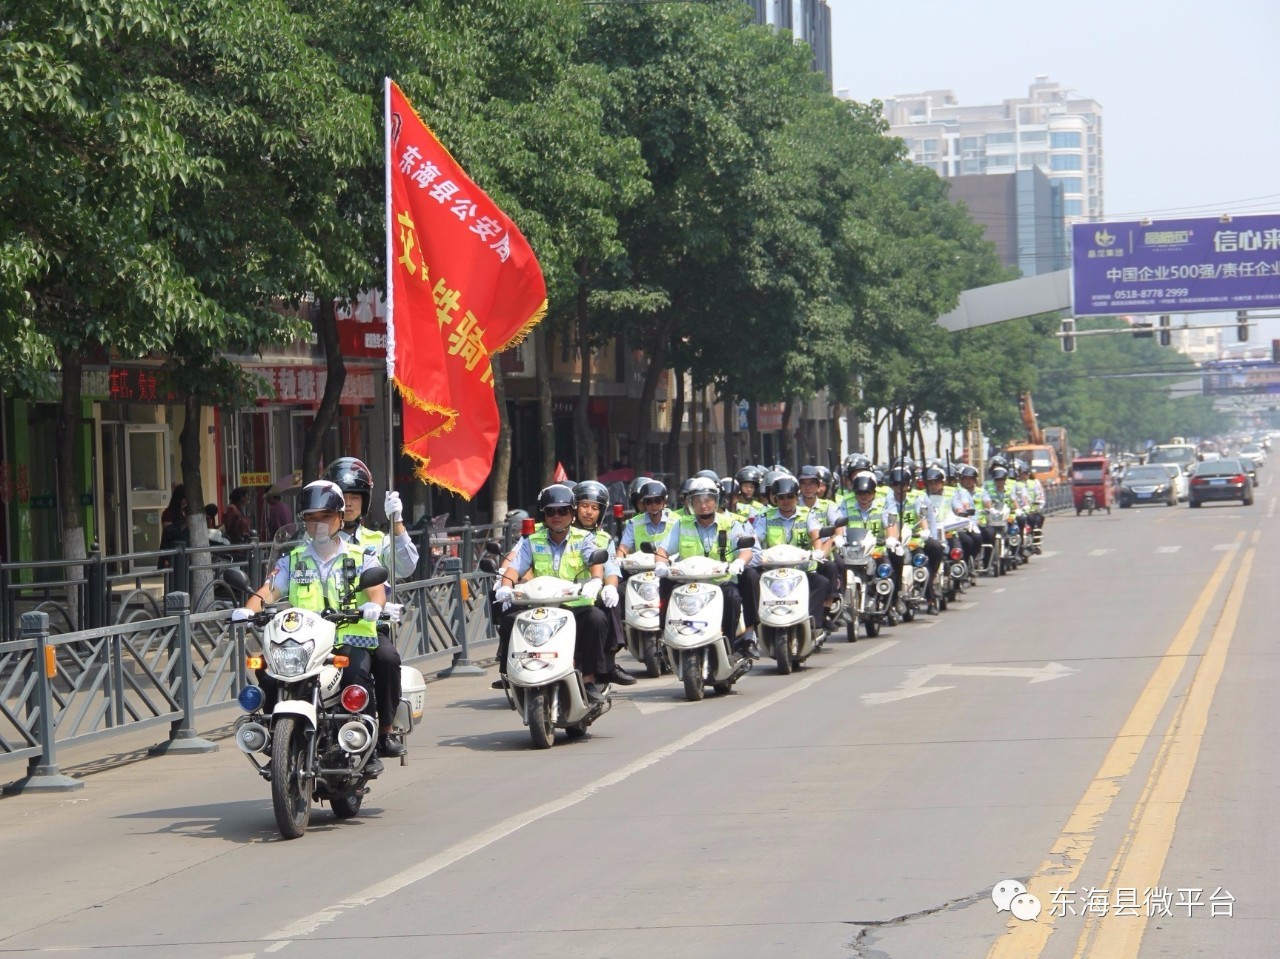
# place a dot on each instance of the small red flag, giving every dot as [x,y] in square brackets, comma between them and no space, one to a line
[462,285]
[559,476]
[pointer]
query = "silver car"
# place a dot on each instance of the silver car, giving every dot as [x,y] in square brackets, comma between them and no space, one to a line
[1180,482]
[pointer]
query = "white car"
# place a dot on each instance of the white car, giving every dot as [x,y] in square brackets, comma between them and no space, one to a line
[1181,485]
[1254,452]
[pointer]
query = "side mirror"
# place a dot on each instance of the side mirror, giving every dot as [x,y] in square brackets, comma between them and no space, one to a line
[236,579]
[493,547]
[647,548]
[827,532]
[487,565]
[373,576]
[746,542]
[599,557]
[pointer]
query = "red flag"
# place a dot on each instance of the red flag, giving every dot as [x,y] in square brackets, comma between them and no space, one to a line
[559,476]
[462,284]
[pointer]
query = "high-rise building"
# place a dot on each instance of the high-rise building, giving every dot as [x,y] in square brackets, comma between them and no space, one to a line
[808,20]
[1051,129]
[1021,214]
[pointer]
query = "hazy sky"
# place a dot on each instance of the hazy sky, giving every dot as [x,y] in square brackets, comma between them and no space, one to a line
[1190,89]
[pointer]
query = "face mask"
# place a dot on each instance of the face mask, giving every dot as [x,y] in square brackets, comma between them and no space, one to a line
[319,533]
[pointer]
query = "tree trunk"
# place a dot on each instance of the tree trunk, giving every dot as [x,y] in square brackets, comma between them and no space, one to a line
[70,511]
[327,414]
[788,441]
[657,353]
[755,453]
[673,433]
[581,420]
[732,443]
[500,475]
[547,426]
[189,461]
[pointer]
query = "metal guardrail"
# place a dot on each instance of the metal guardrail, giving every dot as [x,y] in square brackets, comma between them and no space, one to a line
[67,688]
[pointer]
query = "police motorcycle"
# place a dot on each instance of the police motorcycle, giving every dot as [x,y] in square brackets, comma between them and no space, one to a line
[870,588]
[955,570]
[915,575]
[696,645]
[787,631]
[642,612]
[543,684]
[318,741]
[996,560]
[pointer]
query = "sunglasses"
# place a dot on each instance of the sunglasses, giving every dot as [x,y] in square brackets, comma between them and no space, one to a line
[785,496]
[653,500]
[557,511]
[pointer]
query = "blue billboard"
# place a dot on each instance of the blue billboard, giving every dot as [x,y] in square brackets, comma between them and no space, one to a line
[1176,266]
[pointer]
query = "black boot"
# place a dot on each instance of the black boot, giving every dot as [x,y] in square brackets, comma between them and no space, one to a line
[391,746]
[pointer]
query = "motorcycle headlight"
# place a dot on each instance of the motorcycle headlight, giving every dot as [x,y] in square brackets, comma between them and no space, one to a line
[884,570]
[290,658]
[919,559]
[539,633]
[647,590]
[690,603]
[781,583]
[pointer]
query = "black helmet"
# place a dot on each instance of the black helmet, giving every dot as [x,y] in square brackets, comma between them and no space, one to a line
[648,490]
[728,487]
[856,463]
[592,490]
[708,474]
[900,476]
[809,471]
[633,491]
[825,477]
[684,489]
[321,496]
[784,486]
[997,461]
[750,474]
[864,483]
[935,474]
[555,495]
[967,472]
[351,476]
[999,473]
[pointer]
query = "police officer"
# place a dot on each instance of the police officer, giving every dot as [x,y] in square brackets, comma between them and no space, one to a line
[787,522]
[868,511]
[355,479]
[562,550]
[590,503]
[319,575]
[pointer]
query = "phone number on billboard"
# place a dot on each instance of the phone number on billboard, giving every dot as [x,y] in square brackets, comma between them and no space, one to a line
[1147,294]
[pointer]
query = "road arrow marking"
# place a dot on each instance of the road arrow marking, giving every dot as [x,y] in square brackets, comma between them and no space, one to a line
[916,683]
[1100,552]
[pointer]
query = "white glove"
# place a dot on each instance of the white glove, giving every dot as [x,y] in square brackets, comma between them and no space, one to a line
[394,611]
[736,567]
[503,595]
[392,506]
[242,615]
[840,542]
[591,589]
[819,555]
[370,611]
[661,570]
[609,596]
[892,543]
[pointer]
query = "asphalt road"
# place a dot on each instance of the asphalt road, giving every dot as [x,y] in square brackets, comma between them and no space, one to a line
[1096,727]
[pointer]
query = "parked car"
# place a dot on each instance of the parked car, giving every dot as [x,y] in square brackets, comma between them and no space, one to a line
[1221,479]
[1149,484]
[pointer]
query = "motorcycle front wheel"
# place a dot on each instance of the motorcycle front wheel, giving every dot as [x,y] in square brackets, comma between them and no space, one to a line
[782,651]
[652,657]
[541,723]
[692,672]
[290,789]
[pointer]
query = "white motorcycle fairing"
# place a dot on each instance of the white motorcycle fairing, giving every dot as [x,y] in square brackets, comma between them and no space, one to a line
[787,631]
[700,652]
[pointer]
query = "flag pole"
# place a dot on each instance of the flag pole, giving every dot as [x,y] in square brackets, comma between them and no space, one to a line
[391,345]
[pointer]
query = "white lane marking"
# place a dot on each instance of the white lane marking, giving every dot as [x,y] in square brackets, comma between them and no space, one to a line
[1000,590]
[1271,507]
[1100,552]
[442,860]
[916,683]
[1168,549]
[1225,547]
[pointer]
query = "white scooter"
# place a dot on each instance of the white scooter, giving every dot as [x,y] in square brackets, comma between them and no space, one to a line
[699,651]
[543,684]
[642,612]
[787,631]
[319,738]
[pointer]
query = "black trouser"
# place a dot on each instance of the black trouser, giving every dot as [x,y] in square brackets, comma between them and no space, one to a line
[835,570]
[1036,519]
[590,640]
[748,591]
[734,599]
[386,677]
[970,543]
[357,672]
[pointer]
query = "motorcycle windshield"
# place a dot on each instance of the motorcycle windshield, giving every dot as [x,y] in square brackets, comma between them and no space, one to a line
[286,539]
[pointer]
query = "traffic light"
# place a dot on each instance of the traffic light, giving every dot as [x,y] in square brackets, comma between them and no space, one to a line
[1242,326]
[1166,334]
[1067,336]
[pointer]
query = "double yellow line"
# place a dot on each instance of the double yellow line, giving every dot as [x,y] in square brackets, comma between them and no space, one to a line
[1142,853]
